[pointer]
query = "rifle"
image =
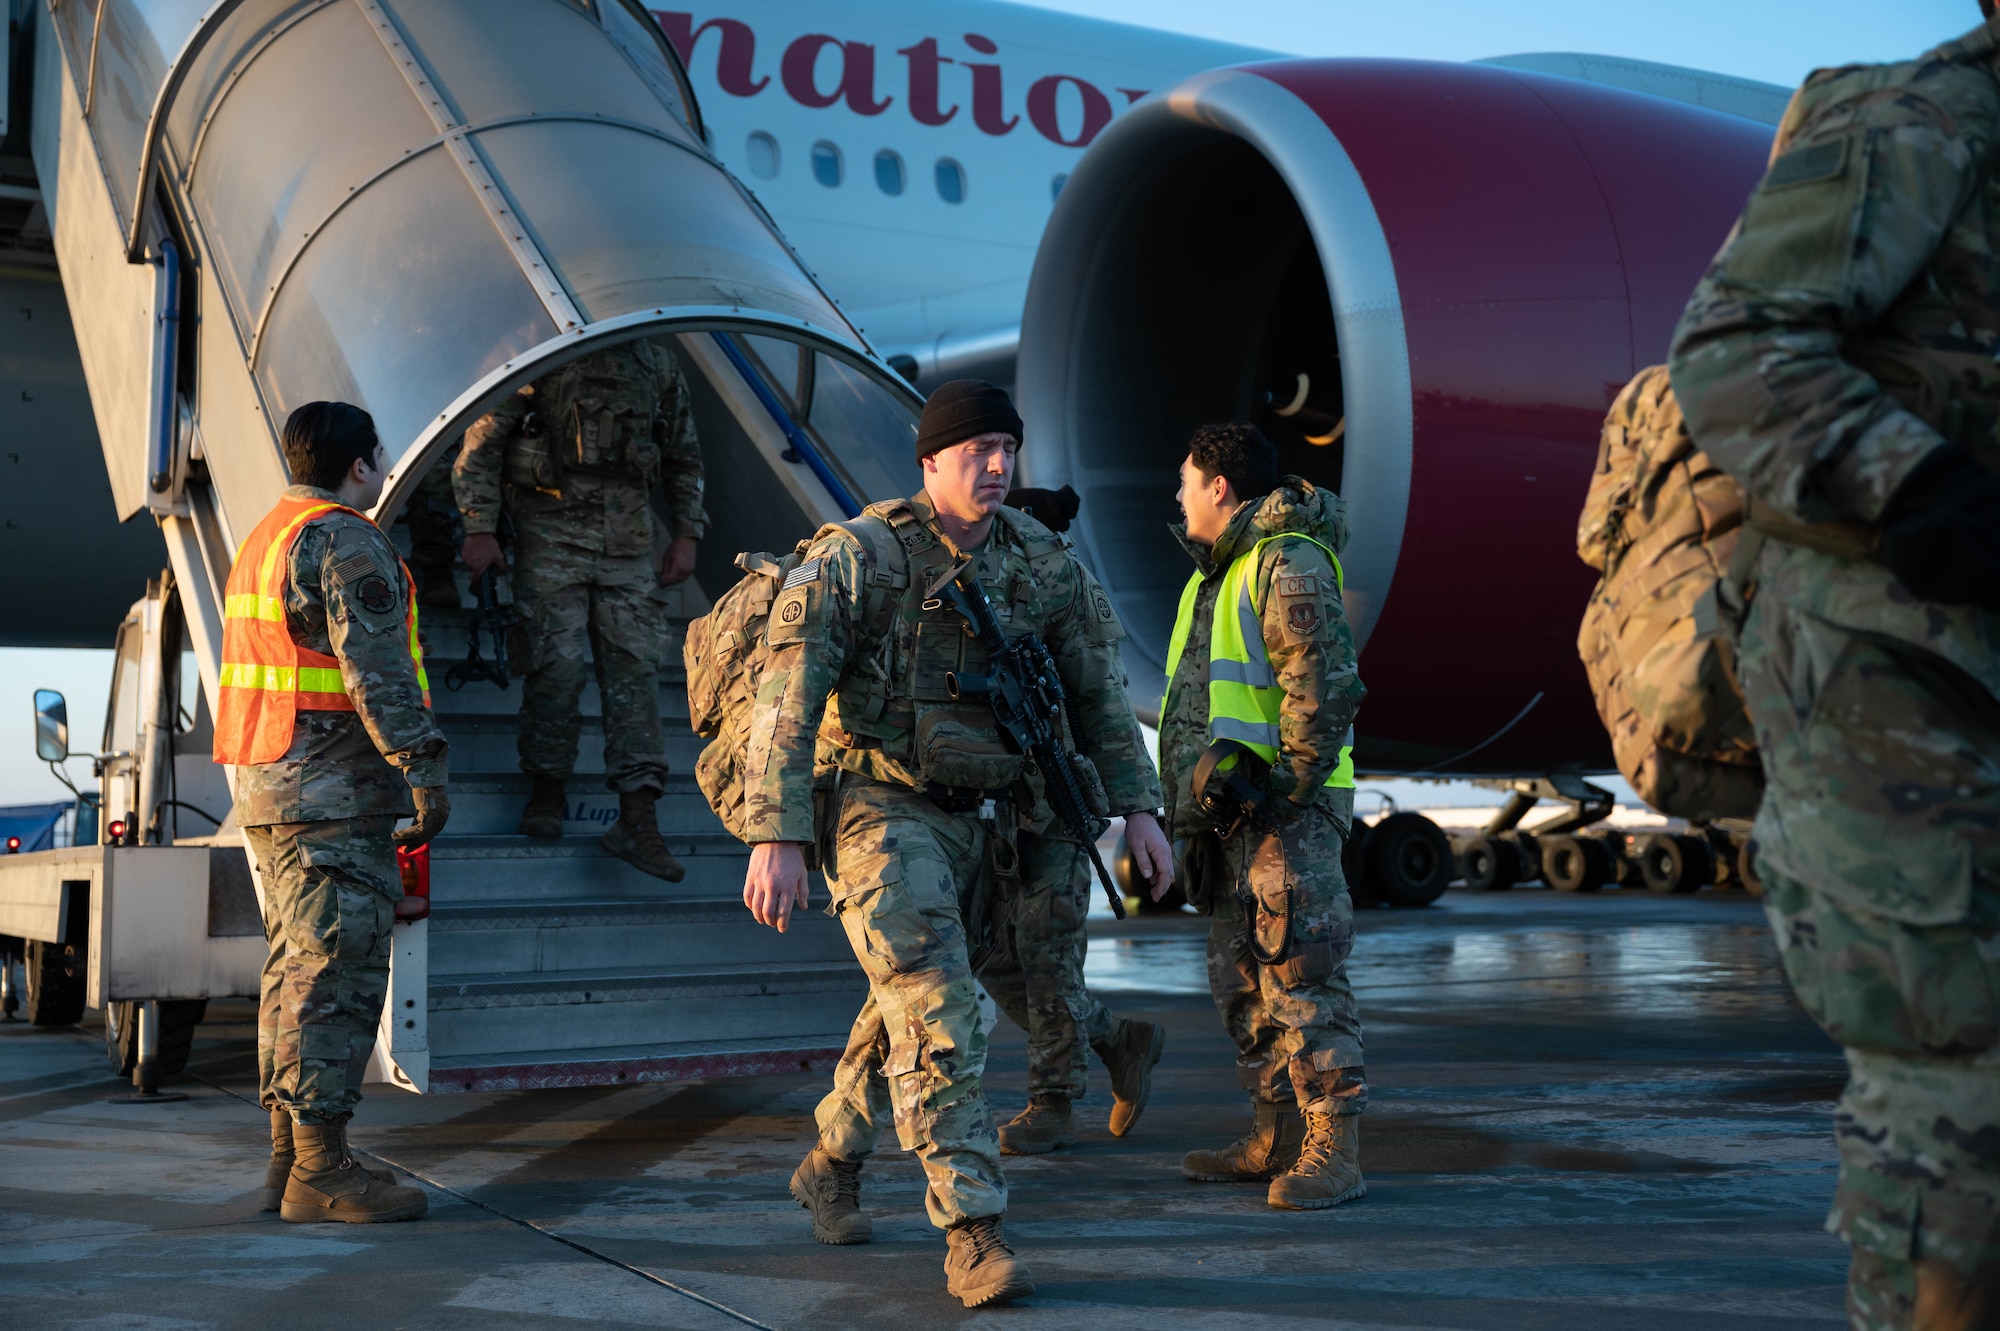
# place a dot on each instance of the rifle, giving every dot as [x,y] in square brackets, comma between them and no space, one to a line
[496,619]
[1026,695]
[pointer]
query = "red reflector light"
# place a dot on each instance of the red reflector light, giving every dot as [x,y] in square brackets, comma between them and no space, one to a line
[117,830]
[13,844]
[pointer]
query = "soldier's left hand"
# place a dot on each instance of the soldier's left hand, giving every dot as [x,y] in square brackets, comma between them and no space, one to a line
[677,560]
[1151,855]
[433,808]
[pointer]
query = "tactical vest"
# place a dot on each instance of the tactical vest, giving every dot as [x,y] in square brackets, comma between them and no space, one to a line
[596,416]
[896,697]
[267,679]
[1244,697]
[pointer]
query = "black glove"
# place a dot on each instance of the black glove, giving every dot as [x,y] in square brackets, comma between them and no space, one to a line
[1054,509]
[1276,814]
[433,808]
[1941,531]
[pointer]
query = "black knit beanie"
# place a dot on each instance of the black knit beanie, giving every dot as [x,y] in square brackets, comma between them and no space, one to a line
[962,409]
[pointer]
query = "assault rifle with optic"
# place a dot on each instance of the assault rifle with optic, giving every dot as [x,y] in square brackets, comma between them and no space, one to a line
[1026,695]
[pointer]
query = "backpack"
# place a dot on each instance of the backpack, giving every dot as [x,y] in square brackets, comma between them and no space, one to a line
[1662,523]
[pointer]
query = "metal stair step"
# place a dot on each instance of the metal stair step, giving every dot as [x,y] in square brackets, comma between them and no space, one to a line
[489,803]
[686,1060]
[483,699]
[490,1013]
[485,742]
[549,936]
[511,867]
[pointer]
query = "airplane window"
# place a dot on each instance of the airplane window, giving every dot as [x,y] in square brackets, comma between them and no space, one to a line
[889,172]
[826,164]
[950,181]
[763,156]
[1055,186]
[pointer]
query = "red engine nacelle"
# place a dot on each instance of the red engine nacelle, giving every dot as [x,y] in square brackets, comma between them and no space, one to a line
[1426,282]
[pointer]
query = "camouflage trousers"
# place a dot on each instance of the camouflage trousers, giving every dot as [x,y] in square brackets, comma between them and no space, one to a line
[568,597]
[918,1048]
[1879,847]
[1036,974]
[330,894]
[1294,1021]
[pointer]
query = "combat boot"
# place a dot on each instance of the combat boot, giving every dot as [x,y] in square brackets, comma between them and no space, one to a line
[548,800]
[327,1185]
[831,1189]
[980,1268]
[635,837]
[1130,1057]
[1045,1125]
[282,1155]
[1329,1168]
[1271,1148]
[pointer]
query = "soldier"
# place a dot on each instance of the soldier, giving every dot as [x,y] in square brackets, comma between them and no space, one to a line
[1036,978]
[579,453]
[1266,551]
[927,799]
[325,712]
[1837,359]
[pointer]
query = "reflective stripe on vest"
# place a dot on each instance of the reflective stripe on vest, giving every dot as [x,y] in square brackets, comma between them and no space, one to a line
[1244,698]
[266,678]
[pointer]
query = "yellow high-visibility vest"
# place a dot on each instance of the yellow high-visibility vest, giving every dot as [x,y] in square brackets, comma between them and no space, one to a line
[1243,692]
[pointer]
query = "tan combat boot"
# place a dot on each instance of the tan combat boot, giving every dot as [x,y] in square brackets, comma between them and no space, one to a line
[980,1268]
[1270,1148]
[548,800]
[831,1189]
[1130,1057]
[1045,1125]
[635,837]
[326,1184]
[1329,1168]
[282,1155]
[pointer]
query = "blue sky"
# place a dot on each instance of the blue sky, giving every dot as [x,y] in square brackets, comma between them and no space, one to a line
[1775,41]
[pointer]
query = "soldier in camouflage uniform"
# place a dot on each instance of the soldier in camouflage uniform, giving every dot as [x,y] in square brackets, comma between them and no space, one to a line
[1283,922]
[927,801]
[1838,360]
[1036,978]
[576,455]
[318,819]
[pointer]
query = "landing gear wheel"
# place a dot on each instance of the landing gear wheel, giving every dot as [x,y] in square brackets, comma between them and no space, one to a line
[56,980]
[1409,860]
[1577,864]
[1354,866]
[1528,847]
[1675,865]
[1490,865]
[1746,868]
[178,1018]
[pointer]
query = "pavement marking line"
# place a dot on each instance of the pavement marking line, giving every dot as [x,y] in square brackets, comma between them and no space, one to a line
[587,1251]
[545,1232]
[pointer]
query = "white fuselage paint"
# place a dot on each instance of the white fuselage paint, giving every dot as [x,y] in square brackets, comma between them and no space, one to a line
[1010,96]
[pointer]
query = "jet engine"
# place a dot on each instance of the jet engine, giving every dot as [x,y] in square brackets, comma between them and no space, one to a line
[1425,283]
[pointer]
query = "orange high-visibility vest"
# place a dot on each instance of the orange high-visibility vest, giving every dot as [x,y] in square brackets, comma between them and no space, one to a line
[266,678]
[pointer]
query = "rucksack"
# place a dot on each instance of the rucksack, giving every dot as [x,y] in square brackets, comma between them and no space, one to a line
[1662,523]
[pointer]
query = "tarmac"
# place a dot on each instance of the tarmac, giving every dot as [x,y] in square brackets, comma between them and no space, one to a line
[1599,1112]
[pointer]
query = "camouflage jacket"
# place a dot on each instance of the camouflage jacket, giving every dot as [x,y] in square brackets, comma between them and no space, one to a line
[582,449]
[345,596]
[1305,632]
[855,679]
[1848,326]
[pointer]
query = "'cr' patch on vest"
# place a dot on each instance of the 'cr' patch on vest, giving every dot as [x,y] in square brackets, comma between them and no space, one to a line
[1302,618]
[375,594]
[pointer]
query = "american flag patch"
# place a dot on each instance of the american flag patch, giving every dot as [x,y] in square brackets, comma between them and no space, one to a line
[801,575]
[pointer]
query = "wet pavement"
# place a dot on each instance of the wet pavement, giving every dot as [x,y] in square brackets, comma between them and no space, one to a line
[1598,1112]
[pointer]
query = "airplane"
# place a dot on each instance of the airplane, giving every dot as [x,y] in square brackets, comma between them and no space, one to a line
[1425,280]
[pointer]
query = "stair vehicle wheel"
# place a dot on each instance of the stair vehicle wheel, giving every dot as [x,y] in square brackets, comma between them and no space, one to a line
[1576,864]
[1354,866]
[178,1018]
[1673,864]
[1408,860]
[56,980]
[1491,865]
